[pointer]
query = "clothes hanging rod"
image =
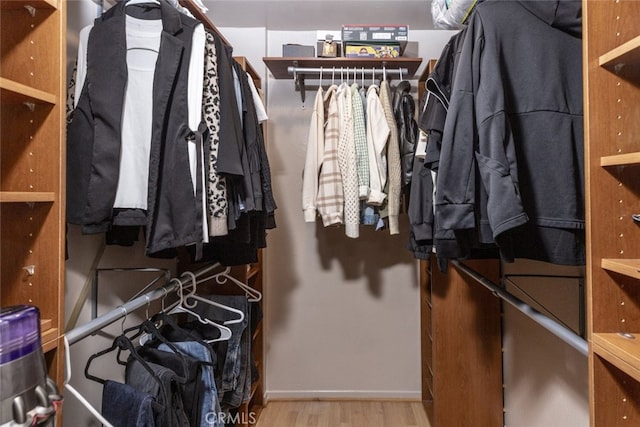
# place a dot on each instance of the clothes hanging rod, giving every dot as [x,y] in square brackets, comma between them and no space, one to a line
[89,328]
[347,70]
[549,324]
[299,73]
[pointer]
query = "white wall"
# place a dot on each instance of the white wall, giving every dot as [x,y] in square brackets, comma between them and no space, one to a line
[545,379]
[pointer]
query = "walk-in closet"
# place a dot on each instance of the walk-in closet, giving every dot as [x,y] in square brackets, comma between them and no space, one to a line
[305,213]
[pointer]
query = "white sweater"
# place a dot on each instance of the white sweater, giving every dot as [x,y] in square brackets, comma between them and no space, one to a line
[348,163]
[313,161]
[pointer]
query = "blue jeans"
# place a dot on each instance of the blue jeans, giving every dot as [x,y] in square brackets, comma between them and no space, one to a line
[124,406]
[163,386]
[229,379]
[368,214]
[210,404]
[241,393]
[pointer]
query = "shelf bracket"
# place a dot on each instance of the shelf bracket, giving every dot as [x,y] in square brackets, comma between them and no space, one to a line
[299,81]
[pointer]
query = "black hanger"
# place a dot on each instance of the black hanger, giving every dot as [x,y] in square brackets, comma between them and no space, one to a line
[170,323]
[121,342]
[147,326]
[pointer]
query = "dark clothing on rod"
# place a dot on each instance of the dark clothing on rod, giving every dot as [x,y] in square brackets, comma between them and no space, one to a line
[164,387]
[514,128]
[174,214]
[404,110]
[188,373]
[431,123]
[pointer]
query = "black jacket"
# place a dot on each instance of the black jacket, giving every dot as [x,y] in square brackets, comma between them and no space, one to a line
[174,214]
[404,110]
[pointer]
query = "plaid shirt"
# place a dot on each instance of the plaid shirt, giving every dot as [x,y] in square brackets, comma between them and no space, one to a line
[360,136]
[330,201]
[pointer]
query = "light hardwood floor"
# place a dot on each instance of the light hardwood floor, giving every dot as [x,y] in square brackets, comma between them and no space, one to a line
[340,413]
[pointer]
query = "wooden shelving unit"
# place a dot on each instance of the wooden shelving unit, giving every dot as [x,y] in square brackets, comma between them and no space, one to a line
[32,159]
[611,40]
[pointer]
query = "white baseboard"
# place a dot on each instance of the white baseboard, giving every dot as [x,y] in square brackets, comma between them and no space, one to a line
[273,395]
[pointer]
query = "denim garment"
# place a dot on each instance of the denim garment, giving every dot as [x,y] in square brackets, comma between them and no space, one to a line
[188,371]
[368,214]
[124,406]
[166,391]
[242,392]
[227,351]
[210,408]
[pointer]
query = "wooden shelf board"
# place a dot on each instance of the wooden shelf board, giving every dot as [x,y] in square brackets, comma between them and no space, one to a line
[279,66]
[627,267]
[202,17]
[49,339]
[623,353]
[27,196]
[16,93]
[627,54]
[621,159]
[38,4]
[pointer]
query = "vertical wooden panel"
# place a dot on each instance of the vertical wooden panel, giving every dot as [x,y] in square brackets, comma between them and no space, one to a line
[32,162]
[467,348]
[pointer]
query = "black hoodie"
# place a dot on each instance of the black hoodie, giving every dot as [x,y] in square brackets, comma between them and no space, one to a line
[515,128]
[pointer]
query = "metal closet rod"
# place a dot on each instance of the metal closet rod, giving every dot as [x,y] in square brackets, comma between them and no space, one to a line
[549,324]
[358,70]
[89,328]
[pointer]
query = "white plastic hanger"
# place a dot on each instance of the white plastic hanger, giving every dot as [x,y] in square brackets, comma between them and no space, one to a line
[132,2]
[180,307]
[253,295]
[76,393]
[195,297]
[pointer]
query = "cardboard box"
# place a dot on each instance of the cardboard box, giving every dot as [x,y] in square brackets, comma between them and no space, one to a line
[326,49]
[366,50]
[376,33]
[291,50]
